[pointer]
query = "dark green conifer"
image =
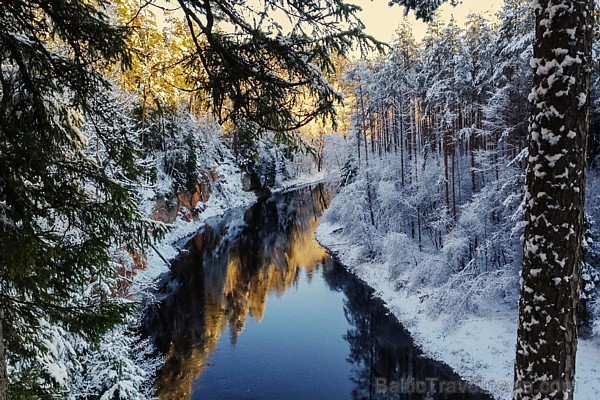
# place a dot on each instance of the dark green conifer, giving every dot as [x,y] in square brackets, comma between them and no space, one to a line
[257,69]
[61,209]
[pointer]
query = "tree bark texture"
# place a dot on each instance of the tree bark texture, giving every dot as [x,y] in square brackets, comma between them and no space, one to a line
[547,334]
[3,372]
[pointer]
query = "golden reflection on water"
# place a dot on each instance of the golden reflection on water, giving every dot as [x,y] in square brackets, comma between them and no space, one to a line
[239,287]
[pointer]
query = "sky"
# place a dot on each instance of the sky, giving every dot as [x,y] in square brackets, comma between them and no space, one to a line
[381,20]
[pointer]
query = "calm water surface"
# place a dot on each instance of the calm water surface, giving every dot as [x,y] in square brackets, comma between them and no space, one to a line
[256,309]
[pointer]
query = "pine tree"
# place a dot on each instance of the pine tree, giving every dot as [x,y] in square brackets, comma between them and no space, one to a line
[507,112]
[61,210]
[258,71]
[547,334]
[474,76]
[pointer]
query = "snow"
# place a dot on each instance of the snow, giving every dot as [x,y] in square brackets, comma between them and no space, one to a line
[550,136]
[301,181]
[227,194]
[481,349]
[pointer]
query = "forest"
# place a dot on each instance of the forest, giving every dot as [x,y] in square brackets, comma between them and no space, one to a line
[466,166]
[434,175]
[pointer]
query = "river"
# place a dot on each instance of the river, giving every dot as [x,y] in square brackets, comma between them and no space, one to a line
[256,309]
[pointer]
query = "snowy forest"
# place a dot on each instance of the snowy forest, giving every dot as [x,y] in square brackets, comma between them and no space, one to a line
[435,159]
[125,126]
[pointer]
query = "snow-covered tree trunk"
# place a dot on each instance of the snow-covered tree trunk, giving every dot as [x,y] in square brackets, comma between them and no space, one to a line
[547,336]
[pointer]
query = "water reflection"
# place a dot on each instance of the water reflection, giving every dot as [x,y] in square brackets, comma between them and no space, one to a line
[380,348]
[322,336]
[232,266]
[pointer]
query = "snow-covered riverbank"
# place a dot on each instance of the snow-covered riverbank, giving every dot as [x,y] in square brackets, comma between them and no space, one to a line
[480,349]
[229,195]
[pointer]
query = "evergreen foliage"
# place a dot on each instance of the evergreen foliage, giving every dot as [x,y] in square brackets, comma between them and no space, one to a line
[63,208]
[423,8]
[266,73]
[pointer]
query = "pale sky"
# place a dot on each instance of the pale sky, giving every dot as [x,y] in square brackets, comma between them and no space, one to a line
[381,20]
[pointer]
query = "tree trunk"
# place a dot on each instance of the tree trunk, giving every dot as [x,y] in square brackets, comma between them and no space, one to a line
[401,147]
[3,373]
[419,228]
[547,334]
[369,197]
[472,146]
[363,122]
[453,155]
[358,145]
[446,171]
[373,130]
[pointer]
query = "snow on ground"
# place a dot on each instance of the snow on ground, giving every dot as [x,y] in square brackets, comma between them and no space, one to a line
[481,350]
[303,180]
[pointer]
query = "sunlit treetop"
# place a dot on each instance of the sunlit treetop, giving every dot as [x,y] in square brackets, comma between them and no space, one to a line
[154,73]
